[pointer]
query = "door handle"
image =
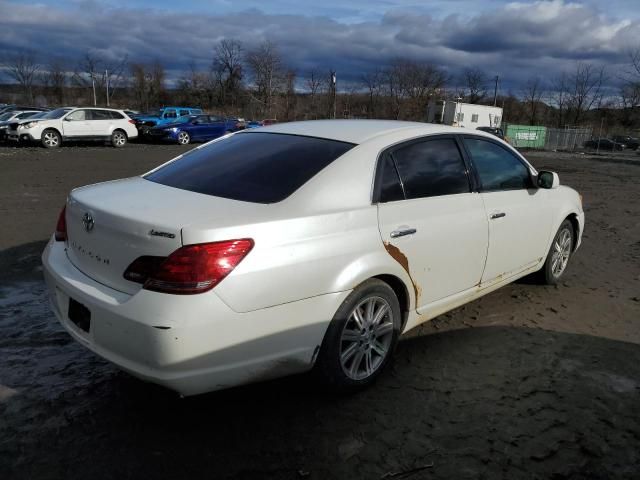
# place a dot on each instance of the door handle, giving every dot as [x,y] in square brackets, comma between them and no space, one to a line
[498,215]
[402,233]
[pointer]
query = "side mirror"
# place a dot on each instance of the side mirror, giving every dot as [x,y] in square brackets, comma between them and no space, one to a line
[548,179]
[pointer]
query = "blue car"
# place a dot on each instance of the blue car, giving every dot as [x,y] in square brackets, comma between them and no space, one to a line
[193,128]
[163,116]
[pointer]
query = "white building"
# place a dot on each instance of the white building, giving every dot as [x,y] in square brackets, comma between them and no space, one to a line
[463,114]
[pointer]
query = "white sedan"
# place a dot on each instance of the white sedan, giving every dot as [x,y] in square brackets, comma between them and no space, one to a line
[299,246]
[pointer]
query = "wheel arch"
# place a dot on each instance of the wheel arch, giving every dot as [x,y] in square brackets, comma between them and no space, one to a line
[573,218]
[55,129]
[401,291]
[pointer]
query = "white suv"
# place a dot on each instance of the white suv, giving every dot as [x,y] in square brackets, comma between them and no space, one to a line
[68,124]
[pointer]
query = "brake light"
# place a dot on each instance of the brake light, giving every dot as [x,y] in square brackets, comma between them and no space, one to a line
[190,269]
[61,226]
[132,121]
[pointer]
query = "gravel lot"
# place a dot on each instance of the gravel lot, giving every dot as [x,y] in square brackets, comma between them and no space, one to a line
[528,382]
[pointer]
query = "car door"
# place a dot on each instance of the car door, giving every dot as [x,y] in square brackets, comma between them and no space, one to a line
[215,128]
[101,122]
[518,214]
[77,124]
[429,213]
[199,127]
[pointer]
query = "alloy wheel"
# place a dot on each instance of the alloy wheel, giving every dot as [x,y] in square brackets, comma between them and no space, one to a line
[366,338]
[183,138]
[119,139]
[561,252]
[51,139]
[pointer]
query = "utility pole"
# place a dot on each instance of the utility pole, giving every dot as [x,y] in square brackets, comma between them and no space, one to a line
[333,87]
[106,76]
[93,85]
[495,92]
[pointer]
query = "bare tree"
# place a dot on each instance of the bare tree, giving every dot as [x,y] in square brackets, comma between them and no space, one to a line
[227,67]
[148,84]
[409,85]
[99,76]
[56,78]
[291,98]
[532,96]
[24,69]
[373,82]
[475,82]
[313,83]
[560,98]
[266,67]
[585,89]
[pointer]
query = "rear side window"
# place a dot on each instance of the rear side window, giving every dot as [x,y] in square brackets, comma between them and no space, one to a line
[390,188]
[100,115]
[498,168]
[116,115]
[251,167]
[185,112]
[431,168]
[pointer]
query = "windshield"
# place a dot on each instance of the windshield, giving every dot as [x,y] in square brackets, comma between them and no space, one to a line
[38,115]
[57,113]
[6,116]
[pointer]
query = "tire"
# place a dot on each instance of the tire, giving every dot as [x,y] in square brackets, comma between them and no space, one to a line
[354,352]
[184,138]
[559,255]
[50,138]
[118,139]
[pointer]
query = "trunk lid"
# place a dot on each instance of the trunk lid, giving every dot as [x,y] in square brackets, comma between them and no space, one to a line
[111,224]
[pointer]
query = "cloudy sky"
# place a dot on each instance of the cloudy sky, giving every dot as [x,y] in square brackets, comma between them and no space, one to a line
[516,40]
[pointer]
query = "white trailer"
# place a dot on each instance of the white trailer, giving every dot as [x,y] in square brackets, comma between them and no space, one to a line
[461,114]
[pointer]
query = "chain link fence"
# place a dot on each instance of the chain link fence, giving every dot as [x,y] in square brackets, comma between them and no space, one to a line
[543,138]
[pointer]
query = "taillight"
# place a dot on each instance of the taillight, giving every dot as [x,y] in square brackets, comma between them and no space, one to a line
[61,226]
[190,269]
[132,121]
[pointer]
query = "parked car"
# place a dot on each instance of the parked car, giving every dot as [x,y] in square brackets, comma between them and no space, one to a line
[269,121]
[604,144]
[8,117]
[298,246]
[194,128]
[11,108]
[629,142]
[163,116]
[72,124]
[254,124]
[493,131]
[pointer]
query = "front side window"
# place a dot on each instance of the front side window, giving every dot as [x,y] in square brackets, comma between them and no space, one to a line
[430,168]
[251,167]
[184,112]
[77,116]
[498,168]
[170,114]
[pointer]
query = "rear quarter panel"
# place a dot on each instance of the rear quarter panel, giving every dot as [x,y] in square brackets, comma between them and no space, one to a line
[302,257]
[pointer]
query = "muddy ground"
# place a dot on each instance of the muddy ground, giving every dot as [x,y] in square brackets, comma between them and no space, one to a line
[528,382]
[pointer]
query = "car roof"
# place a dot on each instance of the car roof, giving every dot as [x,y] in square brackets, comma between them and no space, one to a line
[360,131]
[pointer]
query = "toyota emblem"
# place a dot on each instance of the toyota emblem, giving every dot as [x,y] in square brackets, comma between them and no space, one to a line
[87,221]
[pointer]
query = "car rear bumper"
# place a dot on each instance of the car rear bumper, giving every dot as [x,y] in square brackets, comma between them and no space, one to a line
[188,343]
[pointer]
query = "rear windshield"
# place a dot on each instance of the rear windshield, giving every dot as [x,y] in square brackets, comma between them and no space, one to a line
[251,167]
